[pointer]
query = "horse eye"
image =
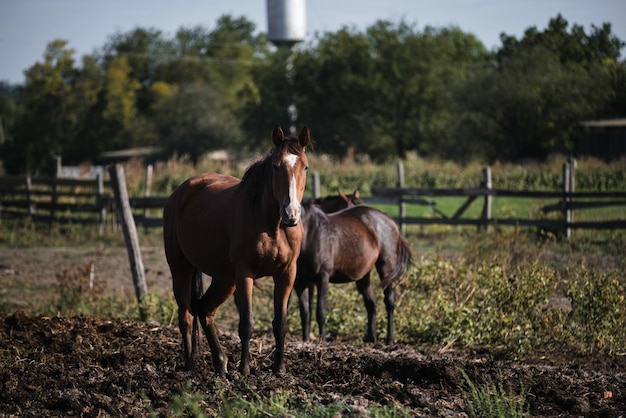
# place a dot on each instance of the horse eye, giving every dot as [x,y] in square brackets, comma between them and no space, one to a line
[306,168]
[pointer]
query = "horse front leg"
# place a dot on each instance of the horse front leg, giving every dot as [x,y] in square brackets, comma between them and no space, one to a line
[283,285]
[369,298]
[243,294]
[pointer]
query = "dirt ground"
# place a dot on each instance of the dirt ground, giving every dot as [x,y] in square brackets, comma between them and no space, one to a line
[86,366]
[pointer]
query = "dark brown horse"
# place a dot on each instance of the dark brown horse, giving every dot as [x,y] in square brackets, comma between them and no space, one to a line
[345,246]
[330,204]
[237,231]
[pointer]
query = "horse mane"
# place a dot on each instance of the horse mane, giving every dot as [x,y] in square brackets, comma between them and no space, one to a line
[255,177]
[315,215]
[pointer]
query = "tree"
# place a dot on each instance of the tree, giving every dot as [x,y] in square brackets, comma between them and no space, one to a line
[417,77]
[50,117]
[9,113]
[331,90]
[386,91]
[193,121]
[528,104]
[218,62]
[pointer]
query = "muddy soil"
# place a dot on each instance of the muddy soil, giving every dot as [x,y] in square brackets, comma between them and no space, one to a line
[85,366]
[88,366]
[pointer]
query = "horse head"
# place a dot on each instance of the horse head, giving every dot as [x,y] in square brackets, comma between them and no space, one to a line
[290,165]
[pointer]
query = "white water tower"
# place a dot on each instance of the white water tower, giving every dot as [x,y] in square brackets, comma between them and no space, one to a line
[286,22]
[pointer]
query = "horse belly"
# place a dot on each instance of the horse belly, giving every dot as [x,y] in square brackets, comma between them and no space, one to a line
[204,238]
[353,266]
[209,255]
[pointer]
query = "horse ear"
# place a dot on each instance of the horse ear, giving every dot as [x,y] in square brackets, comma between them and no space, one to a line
[342,195]
[305,136]
[278,136]
[356,194]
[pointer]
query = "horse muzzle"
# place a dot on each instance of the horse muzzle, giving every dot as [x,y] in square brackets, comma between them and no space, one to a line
[290,215]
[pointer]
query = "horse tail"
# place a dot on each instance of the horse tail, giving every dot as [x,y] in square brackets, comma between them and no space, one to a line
[404,258]
[196,293]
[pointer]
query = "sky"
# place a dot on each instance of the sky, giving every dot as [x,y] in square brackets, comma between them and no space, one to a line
[27,26]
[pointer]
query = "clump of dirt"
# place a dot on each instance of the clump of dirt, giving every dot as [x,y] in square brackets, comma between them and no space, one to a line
[93,367]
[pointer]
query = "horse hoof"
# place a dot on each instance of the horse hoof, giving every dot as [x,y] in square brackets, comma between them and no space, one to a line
[190,365]
[244,370]
[280,371]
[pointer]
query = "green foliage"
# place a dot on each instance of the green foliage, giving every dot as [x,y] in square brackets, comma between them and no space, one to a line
[362,174]
[187,404]
[412,76]
[499,295]
[596,323]
[492,400]
[283,403]
[237,405]
[383,92]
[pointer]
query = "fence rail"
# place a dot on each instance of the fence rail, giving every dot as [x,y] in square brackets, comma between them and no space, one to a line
[76,201]
[567,204]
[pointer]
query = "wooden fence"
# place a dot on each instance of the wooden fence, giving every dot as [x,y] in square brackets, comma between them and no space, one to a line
[568,201]
[55,200]
[73,201]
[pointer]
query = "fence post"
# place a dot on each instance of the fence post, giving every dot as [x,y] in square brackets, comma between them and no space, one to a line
[486,214]
[569,185]
[29,196]
[101,203]
[401,204]
[55,199]
[567,213]
[316,184]
[129,229]
[149,172]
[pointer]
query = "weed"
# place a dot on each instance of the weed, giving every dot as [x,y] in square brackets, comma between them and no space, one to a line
[491,400]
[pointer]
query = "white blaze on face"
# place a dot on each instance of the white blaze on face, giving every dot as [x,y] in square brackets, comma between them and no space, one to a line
[292,210]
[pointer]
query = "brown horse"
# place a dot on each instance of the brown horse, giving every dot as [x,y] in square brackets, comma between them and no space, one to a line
[237,231]
[345,246]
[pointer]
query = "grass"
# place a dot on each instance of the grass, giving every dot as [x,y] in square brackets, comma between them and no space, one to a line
[280,404]
[493,400]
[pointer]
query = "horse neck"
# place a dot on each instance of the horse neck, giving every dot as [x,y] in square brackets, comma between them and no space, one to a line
[313,216]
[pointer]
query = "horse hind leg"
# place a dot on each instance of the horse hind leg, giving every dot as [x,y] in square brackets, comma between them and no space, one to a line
[369,298]
[182,285]
[322,297]
[304,306]
[218,292]
[390,304]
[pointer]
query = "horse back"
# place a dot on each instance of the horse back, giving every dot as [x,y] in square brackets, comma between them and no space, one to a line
[356,247]
[395,254]
[197,219]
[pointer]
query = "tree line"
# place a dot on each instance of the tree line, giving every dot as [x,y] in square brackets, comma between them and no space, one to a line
[382,92]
